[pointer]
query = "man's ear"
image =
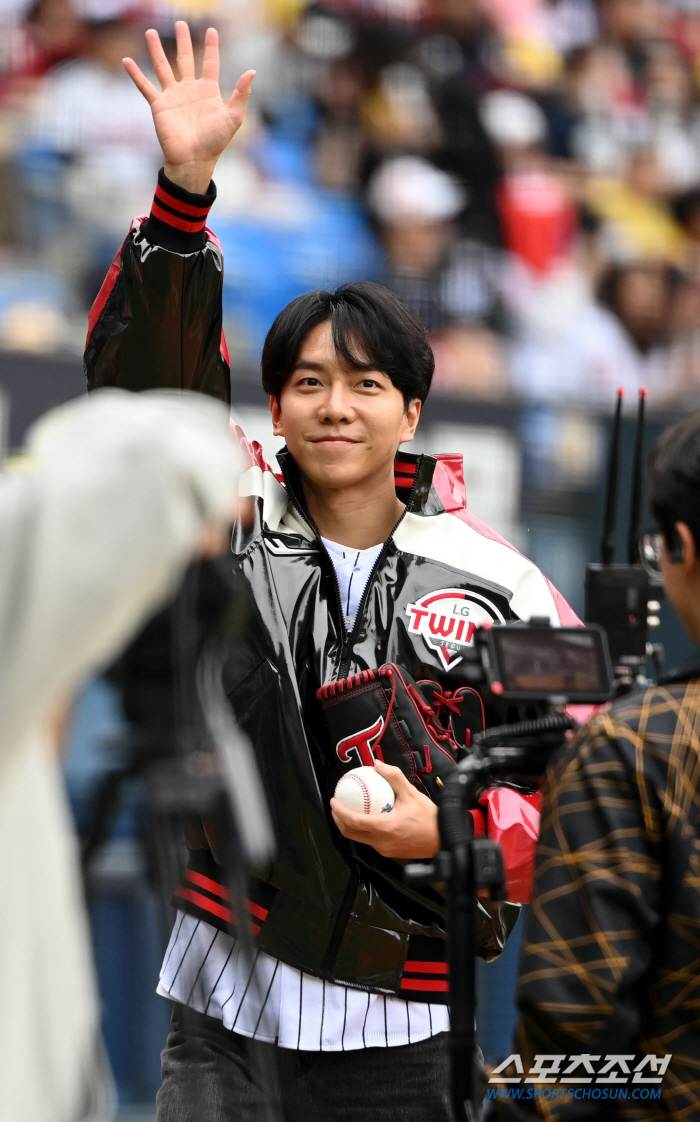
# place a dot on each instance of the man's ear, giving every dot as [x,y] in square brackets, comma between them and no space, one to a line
[276,411]
[686,548]
[410,420]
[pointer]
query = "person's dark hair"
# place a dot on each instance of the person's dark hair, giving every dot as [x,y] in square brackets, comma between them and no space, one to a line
[372,330]
[675,479]
[685,206]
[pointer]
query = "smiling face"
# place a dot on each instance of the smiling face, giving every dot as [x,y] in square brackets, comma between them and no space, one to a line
[343,426]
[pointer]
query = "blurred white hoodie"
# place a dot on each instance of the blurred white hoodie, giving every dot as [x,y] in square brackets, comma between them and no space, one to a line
[117,494]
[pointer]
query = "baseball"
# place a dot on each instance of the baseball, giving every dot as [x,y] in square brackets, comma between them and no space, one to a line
[364,790]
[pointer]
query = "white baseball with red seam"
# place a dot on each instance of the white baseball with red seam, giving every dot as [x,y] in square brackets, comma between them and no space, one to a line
[365,791]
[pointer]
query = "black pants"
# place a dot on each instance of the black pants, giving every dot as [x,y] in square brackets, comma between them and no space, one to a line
[211,1075]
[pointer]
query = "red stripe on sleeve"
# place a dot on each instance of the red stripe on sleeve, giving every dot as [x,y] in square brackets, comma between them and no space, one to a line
[211,906]
[222,891]
[425,984]
[256,910]
[426,967]
[184,208]
[207,883]
[178,223]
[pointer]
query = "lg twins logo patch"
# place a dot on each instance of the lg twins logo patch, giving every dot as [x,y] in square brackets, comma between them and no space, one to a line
[447,620]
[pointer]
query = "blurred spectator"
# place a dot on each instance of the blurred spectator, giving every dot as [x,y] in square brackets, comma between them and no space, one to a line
[605,108]
[470,360]
[537,214]
[443,279]
[516,125]
[658,309]
[91,151]
[641,297]
[642,331]
[686,210]
[52,32]
[341,141]
[632,25]
[399,113]
[674,122]
[457,56]
[635,211]
[451,283]
[415,206]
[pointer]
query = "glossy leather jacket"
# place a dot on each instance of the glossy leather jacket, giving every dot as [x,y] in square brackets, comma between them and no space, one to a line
[328,907]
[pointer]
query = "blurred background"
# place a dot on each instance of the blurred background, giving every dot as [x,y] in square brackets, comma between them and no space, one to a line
[525,174]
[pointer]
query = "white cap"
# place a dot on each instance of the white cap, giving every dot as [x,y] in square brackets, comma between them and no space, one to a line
[510,118]
[408,187]
[104,11]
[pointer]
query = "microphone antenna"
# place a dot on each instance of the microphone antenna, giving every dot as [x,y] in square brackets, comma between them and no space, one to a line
[635,525]
[609,538]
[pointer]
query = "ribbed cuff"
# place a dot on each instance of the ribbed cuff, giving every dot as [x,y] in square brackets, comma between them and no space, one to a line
[178,217]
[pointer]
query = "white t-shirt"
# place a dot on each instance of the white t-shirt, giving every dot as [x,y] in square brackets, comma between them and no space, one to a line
[274,1002]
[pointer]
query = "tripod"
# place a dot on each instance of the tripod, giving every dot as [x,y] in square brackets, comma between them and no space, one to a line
[468,865]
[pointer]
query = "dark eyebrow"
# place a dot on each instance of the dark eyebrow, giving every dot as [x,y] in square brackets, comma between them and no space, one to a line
[321,368]
[305,365]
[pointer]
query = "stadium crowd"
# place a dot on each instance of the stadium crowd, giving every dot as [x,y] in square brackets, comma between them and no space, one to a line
[524,173]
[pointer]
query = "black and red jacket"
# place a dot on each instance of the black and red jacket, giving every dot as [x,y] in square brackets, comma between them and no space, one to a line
[329,907]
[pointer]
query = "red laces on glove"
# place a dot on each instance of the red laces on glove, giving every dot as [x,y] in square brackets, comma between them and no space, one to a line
[429,715]
[446,700]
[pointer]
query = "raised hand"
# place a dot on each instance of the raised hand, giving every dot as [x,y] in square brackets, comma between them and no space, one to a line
[193,122]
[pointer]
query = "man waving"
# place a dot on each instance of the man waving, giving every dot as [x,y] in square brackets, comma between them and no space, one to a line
[357,555]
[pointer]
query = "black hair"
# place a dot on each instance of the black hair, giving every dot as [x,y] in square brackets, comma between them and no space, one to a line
[685,205]
[608,292]
[675,480]
[366,319]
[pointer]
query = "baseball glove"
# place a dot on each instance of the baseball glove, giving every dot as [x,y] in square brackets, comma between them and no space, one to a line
[383,715]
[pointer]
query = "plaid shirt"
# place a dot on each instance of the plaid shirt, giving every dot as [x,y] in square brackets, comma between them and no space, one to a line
[611,960]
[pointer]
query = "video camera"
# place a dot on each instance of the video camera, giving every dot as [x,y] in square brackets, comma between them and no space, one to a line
[544,669]
[537,662]
[549,668]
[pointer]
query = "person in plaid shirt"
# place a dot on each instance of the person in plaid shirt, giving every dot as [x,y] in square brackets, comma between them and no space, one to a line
[611,958]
